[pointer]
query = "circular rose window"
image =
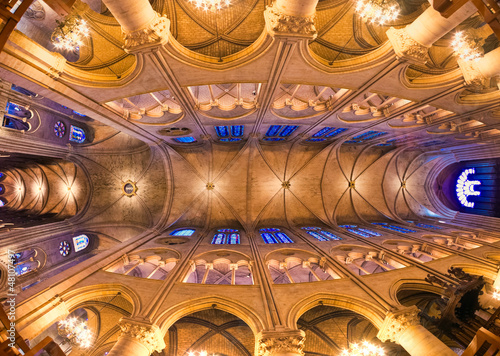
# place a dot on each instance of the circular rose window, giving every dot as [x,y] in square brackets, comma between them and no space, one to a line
[59,129]
[64,248]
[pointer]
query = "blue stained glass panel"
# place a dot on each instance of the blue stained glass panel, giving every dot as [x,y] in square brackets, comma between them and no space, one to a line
[268,238]
[182,232]
[330,235]
[237,130]
[310,228]
[335,132]
[288,130]
[323,131]
[373,233]
[231,139]
[273,130]
[227,230]
[234,239]
[283,238]
[222,131]
[269,229]
[317,236]
[187,139]
[426,226]
[316,140]
[274,139]
[348,226]
[219,239]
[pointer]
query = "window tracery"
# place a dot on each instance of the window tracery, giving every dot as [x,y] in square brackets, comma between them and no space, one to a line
[226,237]
[363,232]
[394,228]
[364,261]
[274,236]
[228,270]
[325,134]
[320,234]
[149,264]
[182,232]
[232,133]
[279,132]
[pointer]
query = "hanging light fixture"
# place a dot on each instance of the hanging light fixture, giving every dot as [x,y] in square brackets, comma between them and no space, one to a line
[199,353]
[496,294]
[466,47]
[378,11]
[363,349]
[69,33]
[210,5]
[76,331]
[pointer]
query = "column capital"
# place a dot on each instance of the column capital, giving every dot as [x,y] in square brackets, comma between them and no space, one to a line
[280,24]
[270,343]
[406,48]
[155,34]
[147,334]
[472,76]
[396,323]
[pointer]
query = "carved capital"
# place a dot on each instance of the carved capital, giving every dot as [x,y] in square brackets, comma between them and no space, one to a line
[270,343]
[147,334]
[278,23]
[472,76]
[152,36]
[406,48]
[396,323]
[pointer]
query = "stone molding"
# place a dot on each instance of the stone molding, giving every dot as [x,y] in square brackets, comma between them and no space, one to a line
[147,334]
[396,323]
[155,34]
[279,23]
[271,342]
[406,48]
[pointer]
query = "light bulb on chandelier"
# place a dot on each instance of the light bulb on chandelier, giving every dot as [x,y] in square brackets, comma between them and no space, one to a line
[496,294]
[363,349]
[76,331]
[210,5]
[466,47]
[69,33]
[378,11]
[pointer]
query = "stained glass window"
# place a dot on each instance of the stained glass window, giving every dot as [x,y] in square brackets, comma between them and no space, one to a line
[80,242]
[279,132]
[425,226]
[394,228]
[325,133]
[366,136]
[230,133]
[360,231]
[59,129]
[320,234]
[64,248]
[182,232]
[274,236]
[76,134]
[187,139]
[226,236]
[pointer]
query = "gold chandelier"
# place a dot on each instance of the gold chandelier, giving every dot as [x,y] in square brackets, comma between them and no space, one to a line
[363,349]
[377,11]
[466,47]
[496,294]
[69,33]
[76,331]
[210,5]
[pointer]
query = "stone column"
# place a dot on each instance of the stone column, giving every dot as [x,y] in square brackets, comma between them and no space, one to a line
[412,42]
[293,18]
[280,343]
[403,327]
[137,339]
[142,26]
[477,72]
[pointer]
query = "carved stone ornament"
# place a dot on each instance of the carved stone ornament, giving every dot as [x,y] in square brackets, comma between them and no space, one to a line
[472,76]
[279,23]
[396,323]
[154,35]
[406,48]
[147,334]
[272,342]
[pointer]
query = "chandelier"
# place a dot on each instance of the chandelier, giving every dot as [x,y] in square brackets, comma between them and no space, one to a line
[363,349]
[199,353]
[69,33]
[496,294]
[76,331]
[466,47]
[210,5]
[377,11]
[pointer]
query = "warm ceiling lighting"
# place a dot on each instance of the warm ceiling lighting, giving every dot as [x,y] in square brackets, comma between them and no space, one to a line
[466,47]
[496,294]
[199,353]
[76,331]
[69,33]
[363,349]
[210,5]
[378,11]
